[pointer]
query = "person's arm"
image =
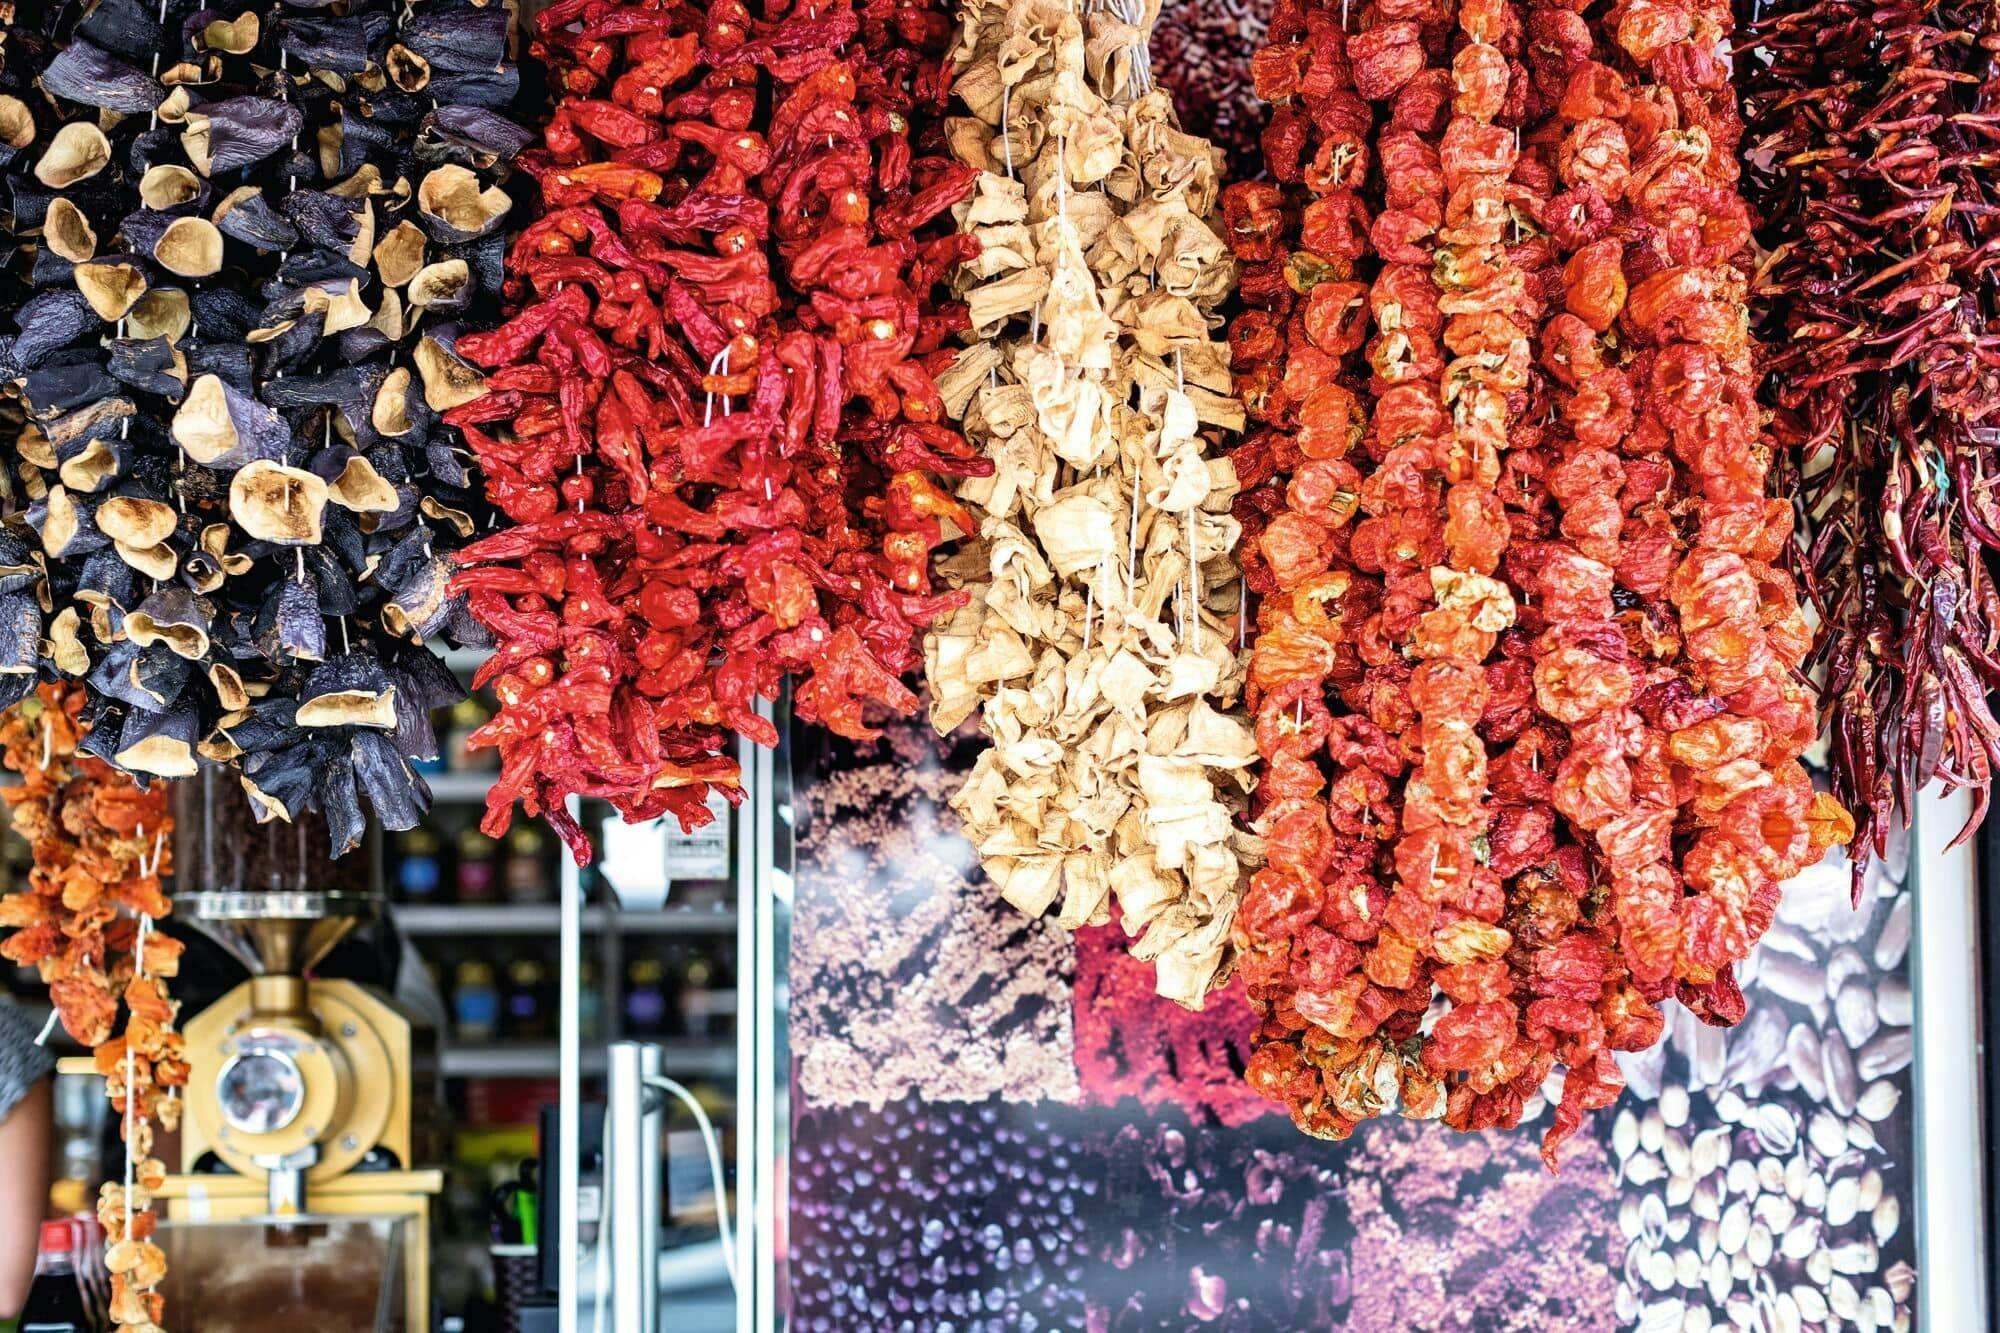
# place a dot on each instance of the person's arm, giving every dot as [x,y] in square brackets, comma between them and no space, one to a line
[24,1166]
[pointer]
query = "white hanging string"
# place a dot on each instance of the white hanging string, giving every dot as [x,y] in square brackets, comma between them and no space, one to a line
[1006,139]
[131,1066]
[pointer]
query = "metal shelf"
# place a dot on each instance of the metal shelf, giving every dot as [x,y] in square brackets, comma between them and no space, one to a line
[460,788]
[698,1059]
[546,919]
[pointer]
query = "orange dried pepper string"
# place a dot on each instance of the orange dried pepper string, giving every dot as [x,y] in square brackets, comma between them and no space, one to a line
[101,846]
[1488,312]
[1334,1044]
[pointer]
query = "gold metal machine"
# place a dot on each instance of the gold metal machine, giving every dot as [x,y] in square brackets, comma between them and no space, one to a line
[306,1092]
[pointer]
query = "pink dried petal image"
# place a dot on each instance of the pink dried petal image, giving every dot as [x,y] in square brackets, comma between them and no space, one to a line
[1130,1042]
[1472,1231]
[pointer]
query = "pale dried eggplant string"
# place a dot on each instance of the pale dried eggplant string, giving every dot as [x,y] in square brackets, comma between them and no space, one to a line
[1103,780]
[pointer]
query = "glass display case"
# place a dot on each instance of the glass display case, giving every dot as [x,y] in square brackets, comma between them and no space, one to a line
[948,1115]
[952,1116]
[271,1276]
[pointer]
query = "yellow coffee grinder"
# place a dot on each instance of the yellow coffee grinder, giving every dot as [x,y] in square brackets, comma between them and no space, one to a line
[307,1096]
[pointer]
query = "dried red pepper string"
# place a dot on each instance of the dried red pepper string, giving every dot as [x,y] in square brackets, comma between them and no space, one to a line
[1333,1034]
[695,430]
[1623,842]
[1488,311]
[1869,159]
[101,847]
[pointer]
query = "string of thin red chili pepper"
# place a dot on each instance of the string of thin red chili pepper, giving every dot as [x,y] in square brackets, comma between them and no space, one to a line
[1871,151]
[686,453]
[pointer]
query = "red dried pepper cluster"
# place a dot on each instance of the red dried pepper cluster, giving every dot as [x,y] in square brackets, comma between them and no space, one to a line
[716,394]
[1525,661]
[1873,175]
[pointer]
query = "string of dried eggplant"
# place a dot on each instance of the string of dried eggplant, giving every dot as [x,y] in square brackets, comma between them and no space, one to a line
[253,251]
[1102,648]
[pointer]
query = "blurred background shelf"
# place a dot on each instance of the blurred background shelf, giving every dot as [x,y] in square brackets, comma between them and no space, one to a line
[546,919]
[460,788]
[684,1059]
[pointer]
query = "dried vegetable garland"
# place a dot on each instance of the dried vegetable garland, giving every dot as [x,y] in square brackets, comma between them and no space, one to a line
[251,251]
[1869,159]
[719,413]
[1557,797]
[1104,659]
[101,845]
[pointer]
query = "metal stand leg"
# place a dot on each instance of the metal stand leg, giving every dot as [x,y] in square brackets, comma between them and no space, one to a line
[569,968]
[1944,976]
[632,1175]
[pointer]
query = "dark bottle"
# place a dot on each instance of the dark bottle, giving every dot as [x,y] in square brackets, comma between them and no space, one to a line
[478,878]
[468,716]
[590,1006]
[420,868]
[697,977]
[525,1003]
[55,1301]
[475,1002]
[645,998]
[524,874]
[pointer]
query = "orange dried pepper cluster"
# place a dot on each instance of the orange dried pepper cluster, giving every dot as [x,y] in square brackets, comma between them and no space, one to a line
[1525,663]
[100,845]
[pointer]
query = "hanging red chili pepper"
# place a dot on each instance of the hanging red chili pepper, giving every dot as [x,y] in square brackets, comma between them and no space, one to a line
[1873,175]
[720,426]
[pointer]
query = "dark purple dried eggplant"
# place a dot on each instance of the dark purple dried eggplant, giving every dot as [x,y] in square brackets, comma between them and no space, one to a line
[149,365]
[160,744]
[20,637]
[458,37]
[471,136]
[67,524]
[90,76]
[49,323]
[246,215]
[220,427]
[123,25]
[240,132]
[346,45]
[291,626]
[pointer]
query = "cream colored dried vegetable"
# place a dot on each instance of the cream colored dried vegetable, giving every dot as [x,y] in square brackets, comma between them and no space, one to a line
[1103,647]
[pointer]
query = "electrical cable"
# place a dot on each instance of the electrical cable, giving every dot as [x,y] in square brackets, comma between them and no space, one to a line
[709,1141]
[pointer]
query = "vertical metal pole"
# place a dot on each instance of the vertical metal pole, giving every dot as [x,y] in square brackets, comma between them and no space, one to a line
[570,1098]
[764,1228]
[749,1013]
[632,1178]
[652,1142]
[1944,977]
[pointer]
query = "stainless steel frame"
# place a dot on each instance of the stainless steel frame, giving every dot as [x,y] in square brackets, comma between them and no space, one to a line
[632,1125]
[1952,1293]
[758,1201]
